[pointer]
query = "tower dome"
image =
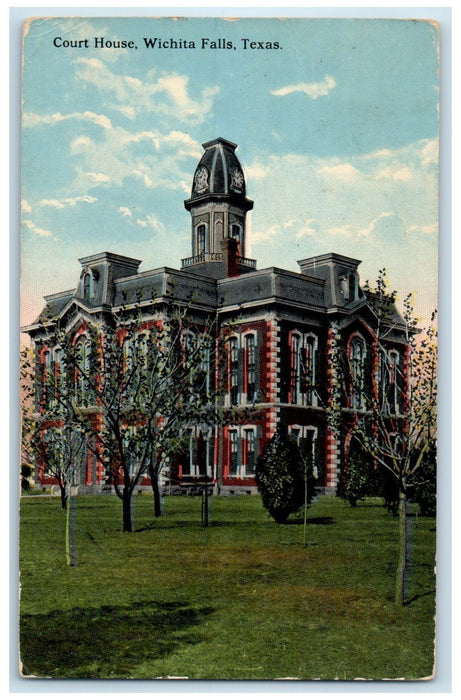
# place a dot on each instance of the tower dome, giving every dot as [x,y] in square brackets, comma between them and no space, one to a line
[219,174]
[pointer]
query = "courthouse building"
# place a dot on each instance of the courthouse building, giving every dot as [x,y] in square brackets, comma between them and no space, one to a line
[279,327]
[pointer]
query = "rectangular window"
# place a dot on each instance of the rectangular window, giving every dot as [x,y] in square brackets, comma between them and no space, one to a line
[393,390]
[233,453]
[233,372]
[250,348]
[303,370]
[295,368]
[250,451]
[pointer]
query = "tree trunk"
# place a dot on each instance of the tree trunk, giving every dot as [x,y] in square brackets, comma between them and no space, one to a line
[153,475]
[63,496]
[70,530]
[127,511]
[403,554]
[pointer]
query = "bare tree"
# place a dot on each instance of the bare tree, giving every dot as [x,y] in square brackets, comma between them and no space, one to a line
[52,437]
[393,416]
[132,387]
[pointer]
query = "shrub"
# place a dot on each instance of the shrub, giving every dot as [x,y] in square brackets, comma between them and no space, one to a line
[360,478]
[282,472]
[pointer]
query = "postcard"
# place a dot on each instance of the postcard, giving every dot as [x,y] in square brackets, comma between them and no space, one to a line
[229,246]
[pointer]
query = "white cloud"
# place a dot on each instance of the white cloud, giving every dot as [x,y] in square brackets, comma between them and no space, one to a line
[67,201]
[43,233]
[151,221]
[426,230]
[125,211]
[342,170]
[308,228]
[395,172]
[312,90]
[96,178]
[256,172]
[166,94]
[25,206]
[30,119]
[430,152]
[372,226]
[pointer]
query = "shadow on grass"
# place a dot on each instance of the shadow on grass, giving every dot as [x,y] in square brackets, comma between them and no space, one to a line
[326,520]
[105,642]
[417,597]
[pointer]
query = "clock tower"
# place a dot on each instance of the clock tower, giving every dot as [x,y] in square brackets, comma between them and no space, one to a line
[218,207]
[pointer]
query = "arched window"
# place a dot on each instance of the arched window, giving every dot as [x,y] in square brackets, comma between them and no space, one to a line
[202,243]
[128,355]
[249,451]
[352,286]
[394,381]
[303,368]
[236,233]
[90,284]
[204,374]
[233,370]
[47,378]
[82,370]
[250,368]
[357,365]
[87,285]
[310,346]
[233,452]
[59,371]
[188,342]
[295,368]
[390,377]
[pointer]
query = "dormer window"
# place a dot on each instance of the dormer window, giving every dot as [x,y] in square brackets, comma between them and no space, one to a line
[89,285]
[349,286]
[353,286]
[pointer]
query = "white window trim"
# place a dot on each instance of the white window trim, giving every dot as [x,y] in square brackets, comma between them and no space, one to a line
[240,432]
[206,245]
[208,435]
[227,398]
[304,341]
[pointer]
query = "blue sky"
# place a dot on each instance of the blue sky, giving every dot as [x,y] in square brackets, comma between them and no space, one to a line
[337,134]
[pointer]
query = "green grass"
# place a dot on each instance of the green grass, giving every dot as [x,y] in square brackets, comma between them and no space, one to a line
[241,599]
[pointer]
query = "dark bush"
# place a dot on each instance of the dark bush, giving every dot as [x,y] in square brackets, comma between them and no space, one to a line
[281,474]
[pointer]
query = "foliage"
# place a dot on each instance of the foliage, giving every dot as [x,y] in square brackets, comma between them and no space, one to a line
[26,473]
[360,478]
[283,476]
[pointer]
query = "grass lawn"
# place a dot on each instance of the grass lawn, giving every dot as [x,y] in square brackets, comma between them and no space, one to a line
[241,599]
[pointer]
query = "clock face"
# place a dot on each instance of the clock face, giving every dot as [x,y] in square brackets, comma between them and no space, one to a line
[237,180]
[201,179]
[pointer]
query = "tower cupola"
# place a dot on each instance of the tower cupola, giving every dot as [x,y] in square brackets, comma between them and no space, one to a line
[218,207]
